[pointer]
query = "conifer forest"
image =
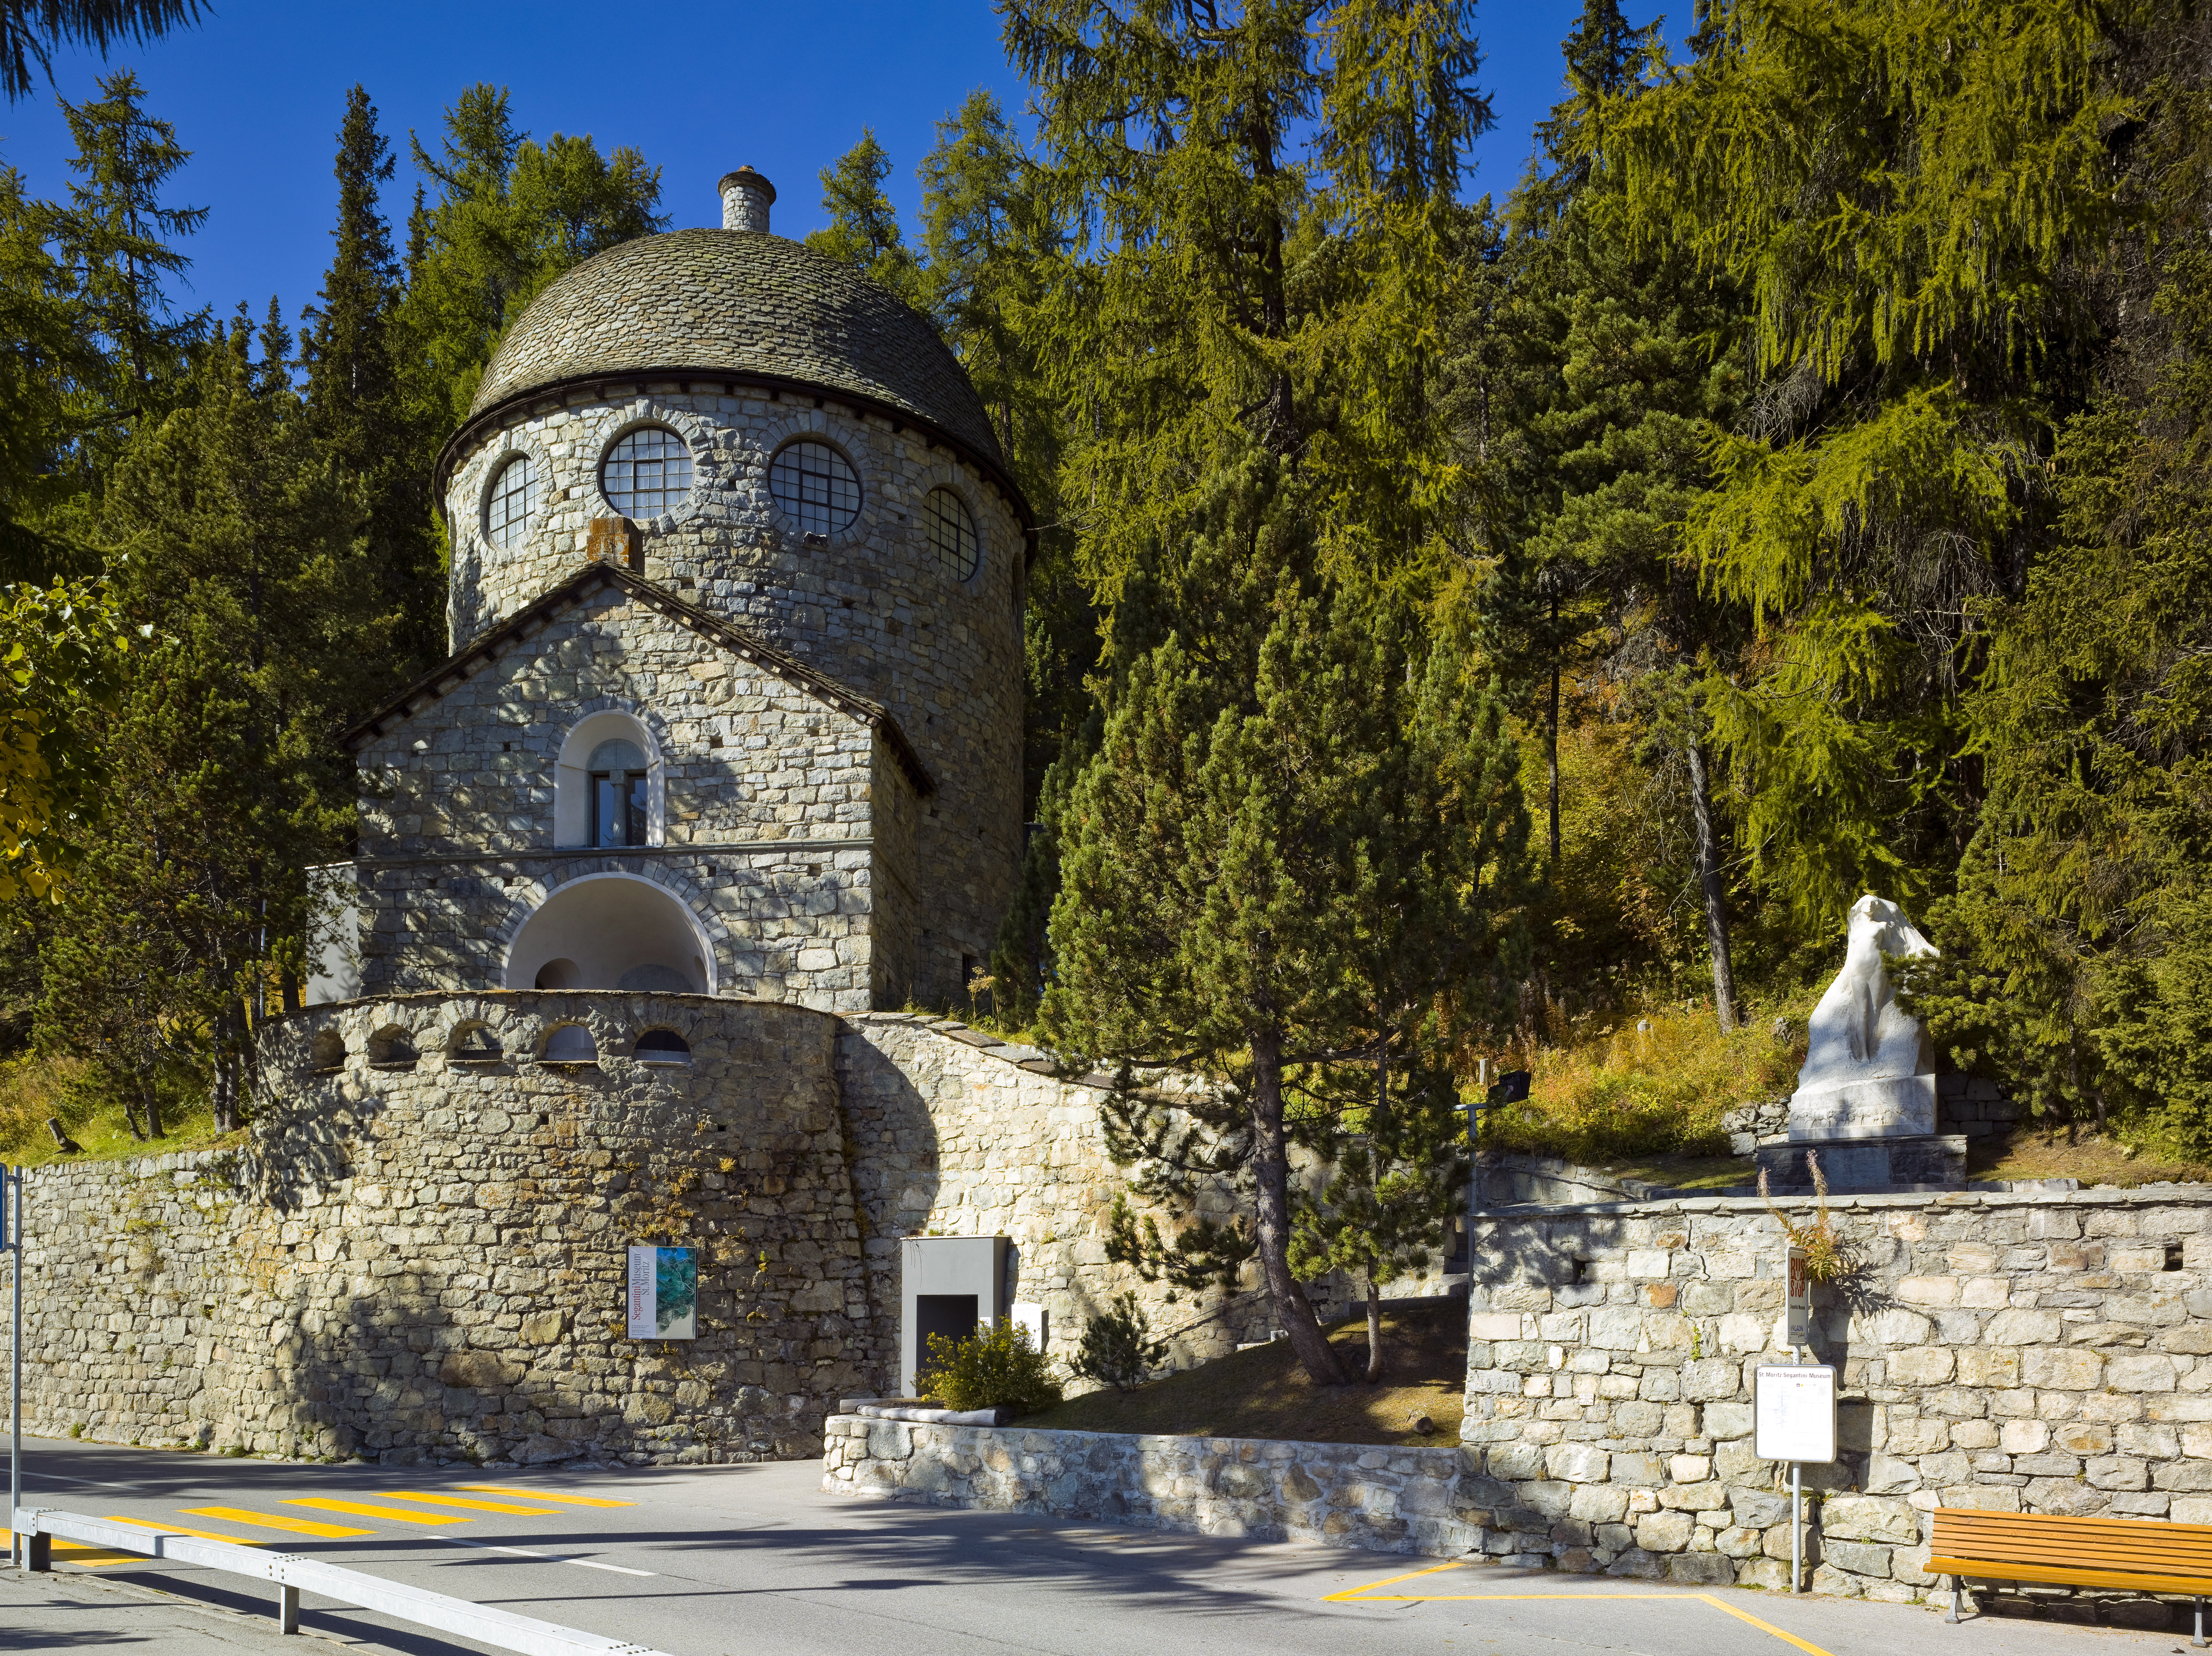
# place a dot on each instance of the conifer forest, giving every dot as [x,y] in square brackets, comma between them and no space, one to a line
[1476,624]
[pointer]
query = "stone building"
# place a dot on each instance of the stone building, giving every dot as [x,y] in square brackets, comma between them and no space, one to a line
[735,702]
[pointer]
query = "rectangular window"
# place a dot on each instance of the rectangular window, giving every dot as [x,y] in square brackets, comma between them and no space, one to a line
[618,807]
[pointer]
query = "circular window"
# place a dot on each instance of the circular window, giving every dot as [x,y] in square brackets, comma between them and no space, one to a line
[647,471]
[512,501]
[951,533]
[812,482]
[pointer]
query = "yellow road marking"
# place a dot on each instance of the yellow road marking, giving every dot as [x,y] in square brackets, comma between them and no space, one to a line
[546,1495]
[78,1553]
[178,1529]
[1763,1627]
[1367,1595]
[272,1521]
[362,1509]
[474,1505]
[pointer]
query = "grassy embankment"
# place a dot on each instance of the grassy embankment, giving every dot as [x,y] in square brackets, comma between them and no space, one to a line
[33,1089]
[1264,1393]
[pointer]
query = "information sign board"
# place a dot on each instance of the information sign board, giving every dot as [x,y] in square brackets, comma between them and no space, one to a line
[663,1293]
[1793,1412]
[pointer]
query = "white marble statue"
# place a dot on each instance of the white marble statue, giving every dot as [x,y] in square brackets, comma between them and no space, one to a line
[1870,1071]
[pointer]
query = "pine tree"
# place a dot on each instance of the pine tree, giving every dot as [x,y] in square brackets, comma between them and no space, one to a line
[510,216]
[1293,846]
[115,238]
[31,29]
[863,230]
[46,364]
[355,399]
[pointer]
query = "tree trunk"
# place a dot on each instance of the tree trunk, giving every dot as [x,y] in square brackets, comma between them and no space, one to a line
[1271,1170]
[1709,878]
[1552,742]
[1374,1331]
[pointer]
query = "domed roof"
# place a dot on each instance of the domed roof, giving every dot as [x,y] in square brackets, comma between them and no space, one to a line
[736,302]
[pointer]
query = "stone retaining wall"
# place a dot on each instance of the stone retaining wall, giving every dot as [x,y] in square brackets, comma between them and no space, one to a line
[1345,1494]
[2012,1352]
[427,1260]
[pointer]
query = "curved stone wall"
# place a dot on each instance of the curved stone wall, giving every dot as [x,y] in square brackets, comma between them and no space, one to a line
[870,607]
[425,1257]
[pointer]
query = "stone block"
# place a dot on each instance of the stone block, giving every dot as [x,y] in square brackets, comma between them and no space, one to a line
[1664,1532]
[1868,1517]
[1859,1557]
[1577,1462]
[1712,1378]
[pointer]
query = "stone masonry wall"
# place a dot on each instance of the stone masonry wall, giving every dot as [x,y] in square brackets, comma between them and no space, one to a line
[767,809]
[956,1133]
[427,1260]
[2016,1353]
[1345,1494]
[871,607]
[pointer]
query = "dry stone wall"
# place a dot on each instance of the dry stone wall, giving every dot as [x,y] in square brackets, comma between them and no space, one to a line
[1343,1494]
[426,1260]
[2015,1352]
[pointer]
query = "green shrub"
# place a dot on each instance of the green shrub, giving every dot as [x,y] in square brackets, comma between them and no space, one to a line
[1118,1349]
[992,1368]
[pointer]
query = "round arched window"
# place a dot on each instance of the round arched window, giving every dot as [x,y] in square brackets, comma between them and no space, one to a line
[813,482]
[512,501]
[647,473]
[951,533]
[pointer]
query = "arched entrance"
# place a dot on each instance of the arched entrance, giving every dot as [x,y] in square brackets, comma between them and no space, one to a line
[613,931]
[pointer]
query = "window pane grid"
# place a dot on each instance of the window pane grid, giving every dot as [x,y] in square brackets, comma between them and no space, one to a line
[513,502]
[951,533]
[647,472]
[812,483]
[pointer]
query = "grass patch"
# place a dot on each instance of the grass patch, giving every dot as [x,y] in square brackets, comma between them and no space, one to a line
[2026,1154]
[1621,1095]
[1264,1393]
[33,1089]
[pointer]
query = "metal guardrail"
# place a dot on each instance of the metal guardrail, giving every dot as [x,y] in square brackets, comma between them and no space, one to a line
[438,1611]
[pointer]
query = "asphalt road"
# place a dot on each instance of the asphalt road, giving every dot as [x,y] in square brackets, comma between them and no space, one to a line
[753,1561]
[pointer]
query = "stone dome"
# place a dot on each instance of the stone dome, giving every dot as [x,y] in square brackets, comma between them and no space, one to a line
[742,302]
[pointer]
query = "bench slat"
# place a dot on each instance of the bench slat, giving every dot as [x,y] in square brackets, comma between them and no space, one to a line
[1981,1569]
[1947,1518]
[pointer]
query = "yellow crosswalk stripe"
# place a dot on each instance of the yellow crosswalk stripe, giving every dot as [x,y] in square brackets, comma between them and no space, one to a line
[73,1552]
[178,1529]
[547,1494]
[362,1509]
[474,1505]
[272,1521]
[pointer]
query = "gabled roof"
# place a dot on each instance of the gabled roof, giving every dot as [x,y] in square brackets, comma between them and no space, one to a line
[572,592]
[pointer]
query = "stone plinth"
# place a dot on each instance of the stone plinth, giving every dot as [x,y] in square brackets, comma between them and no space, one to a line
[1923,1160]
[1895,1106]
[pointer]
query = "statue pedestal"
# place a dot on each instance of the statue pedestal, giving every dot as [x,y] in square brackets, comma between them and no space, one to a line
[1898,1106]
[1929,1161]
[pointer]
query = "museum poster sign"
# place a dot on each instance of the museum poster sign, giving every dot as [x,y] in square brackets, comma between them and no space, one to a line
[663,1293]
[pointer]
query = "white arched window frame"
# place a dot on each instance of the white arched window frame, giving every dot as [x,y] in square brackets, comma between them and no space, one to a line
[572,777]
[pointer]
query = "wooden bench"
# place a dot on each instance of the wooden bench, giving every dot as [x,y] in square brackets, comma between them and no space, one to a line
[2140,1554]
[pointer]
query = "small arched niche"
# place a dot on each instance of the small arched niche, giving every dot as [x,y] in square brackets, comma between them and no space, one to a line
[327,1055]
[392,1048]
[607,785]
[662,1046]
[476,1044]
[571,1044]
[612,932]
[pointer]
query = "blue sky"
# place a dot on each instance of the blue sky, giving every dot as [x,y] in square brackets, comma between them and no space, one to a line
[257,89]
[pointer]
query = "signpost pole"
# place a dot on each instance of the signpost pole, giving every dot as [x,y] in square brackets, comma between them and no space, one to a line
[11,1235]
[1796,1526]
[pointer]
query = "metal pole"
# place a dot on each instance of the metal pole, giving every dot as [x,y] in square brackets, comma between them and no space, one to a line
[1796,1526]
[11,1208]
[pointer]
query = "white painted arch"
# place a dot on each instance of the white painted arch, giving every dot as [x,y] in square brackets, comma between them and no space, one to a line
[613,931]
